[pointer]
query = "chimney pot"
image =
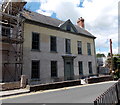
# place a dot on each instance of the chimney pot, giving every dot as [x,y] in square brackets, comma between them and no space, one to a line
[80,22]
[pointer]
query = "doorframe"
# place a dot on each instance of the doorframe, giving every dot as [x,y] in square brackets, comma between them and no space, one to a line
[68,57]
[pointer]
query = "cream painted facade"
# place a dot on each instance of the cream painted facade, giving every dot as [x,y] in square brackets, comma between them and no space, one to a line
[45,56]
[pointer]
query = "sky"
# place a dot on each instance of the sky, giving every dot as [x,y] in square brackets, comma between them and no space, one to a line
[101,17]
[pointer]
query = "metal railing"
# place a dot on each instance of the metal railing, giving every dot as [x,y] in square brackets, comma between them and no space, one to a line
[110,97]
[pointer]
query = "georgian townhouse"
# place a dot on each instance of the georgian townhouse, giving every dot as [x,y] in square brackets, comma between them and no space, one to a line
[55,50]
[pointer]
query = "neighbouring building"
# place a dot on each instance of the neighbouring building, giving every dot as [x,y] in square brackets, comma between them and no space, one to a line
[11,40]
[101,61]
[42,48]
[101,65]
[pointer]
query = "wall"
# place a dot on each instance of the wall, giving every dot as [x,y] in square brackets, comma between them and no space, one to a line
[8,59]
[45,56]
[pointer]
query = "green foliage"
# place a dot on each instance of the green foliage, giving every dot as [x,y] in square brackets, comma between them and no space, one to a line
[100,55]
[118,67]
[117,70]
[117,55]
[116,62]
[117,74]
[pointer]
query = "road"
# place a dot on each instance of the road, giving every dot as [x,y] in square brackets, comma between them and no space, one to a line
[76,94]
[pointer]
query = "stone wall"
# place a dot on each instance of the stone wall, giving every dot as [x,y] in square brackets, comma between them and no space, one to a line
[9,85]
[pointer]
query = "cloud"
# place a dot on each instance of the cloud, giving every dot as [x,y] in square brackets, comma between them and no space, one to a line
[44,13]
[101,16]
[115,50]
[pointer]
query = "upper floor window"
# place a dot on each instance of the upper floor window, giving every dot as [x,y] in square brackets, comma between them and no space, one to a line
[68,46]
[53,43]
[35,41]
[5,31]
[79,47]
[53,68]
[89,48]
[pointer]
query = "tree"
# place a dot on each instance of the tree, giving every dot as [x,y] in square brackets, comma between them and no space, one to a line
[108,61]
[100,55]
[117,72]
[116,61]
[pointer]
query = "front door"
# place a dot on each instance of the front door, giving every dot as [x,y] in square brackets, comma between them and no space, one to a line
[68,69]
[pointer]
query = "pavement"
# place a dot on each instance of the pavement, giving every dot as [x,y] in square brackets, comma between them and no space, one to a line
[13,92]
[75,94]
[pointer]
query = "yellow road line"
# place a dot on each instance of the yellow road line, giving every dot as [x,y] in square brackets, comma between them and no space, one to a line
[45,91]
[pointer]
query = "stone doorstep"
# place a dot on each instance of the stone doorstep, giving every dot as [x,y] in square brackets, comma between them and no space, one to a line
[13,92]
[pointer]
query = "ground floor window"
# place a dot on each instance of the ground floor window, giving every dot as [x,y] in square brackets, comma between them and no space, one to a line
[35,69]
[80,64]
[90,67]
[53,68]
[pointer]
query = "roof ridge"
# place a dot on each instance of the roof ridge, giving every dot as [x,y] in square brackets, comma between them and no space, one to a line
[43,15]
[38,17]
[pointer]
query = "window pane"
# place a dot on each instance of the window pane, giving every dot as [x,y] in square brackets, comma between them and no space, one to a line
[53,68]
[90,67]
[89,48]
[80,67]
[35,41]
[79,47]
[68,46]
[68,27]
[5,31]
[53,43]
[35,70]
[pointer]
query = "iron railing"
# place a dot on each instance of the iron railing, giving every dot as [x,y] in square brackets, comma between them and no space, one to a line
[110,97]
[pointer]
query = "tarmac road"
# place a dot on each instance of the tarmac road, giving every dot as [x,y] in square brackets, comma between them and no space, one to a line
[77,94]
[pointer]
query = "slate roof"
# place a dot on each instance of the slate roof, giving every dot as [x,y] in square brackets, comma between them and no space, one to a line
[33,16]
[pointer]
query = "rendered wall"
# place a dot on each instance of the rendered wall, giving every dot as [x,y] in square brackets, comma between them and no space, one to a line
[45,56]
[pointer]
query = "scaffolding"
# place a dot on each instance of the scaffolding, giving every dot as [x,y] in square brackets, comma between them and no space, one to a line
[11,39]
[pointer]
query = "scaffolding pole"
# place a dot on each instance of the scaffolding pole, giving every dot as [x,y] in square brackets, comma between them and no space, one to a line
[12,37]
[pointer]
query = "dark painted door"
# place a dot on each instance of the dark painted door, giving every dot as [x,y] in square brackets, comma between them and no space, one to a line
[69,73]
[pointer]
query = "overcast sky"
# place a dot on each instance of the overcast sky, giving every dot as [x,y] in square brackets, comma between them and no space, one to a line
[101,17]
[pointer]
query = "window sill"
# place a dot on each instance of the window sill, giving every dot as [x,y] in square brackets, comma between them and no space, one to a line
[89,55]
[54,77]
[80,54]
[35,79]
[35,50]
[53,52]
[68,53]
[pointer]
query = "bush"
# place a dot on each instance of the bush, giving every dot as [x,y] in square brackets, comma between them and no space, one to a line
[117,73]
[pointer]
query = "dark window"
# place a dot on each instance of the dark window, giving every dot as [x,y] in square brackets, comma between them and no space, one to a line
[79,47]
[68,27]
[90,67]
[89,48]
[35,70]
[53,44]
[80,64]
[53,68]
[35,41]
[68,47]
[5,31]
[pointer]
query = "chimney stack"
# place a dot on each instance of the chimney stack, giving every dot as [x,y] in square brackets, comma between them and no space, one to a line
[80,22]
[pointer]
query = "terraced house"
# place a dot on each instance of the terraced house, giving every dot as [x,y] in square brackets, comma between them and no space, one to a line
[55,50]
